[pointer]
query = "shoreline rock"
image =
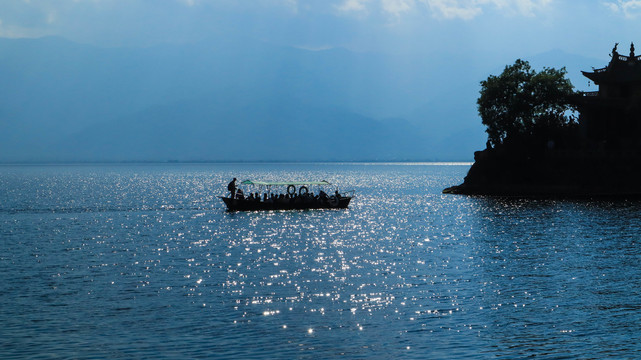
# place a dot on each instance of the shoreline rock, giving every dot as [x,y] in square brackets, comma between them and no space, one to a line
[579,174]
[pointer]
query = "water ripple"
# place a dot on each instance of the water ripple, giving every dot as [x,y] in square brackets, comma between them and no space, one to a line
[142,261]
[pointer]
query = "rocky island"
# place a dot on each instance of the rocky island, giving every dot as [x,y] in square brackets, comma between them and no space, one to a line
[545,139]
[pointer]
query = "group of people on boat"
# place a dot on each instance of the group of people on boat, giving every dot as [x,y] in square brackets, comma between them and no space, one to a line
[291,196]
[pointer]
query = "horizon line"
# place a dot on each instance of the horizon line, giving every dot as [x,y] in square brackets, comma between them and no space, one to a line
[176,162]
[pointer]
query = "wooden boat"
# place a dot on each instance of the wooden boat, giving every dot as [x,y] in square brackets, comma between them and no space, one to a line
[297,197]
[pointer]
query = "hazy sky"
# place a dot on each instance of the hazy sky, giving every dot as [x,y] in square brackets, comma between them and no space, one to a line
[485,28]
[418,61]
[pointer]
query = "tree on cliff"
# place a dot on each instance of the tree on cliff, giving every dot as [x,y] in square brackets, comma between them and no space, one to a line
[520,101]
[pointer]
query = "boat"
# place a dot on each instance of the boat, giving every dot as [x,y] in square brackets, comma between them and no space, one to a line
[297,196]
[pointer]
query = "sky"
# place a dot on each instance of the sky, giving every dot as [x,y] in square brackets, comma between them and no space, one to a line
[418,61]
[501,29]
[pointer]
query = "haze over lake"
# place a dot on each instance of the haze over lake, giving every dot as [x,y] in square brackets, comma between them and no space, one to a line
[342,80]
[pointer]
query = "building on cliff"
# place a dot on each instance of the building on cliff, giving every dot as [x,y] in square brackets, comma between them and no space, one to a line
[599,157]
[610,118]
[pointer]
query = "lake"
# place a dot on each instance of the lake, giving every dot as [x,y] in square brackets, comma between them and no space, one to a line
[143,261]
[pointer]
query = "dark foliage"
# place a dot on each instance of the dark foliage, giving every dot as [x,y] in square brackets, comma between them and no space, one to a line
[522,102]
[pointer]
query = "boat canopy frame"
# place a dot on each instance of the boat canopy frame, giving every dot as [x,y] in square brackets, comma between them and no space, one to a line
[289,200]
[285,183]
[268,185]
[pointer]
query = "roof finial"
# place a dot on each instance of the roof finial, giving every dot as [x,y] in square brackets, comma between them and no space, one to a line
[614,50]
[632,49]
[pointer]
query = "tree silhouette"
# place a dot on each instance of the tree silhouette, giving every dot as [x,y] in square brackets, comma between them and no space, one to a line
[521,101]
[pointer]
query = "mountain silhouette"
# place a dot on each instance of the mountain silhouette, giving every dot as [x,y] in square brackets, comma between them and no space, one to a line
[222,100]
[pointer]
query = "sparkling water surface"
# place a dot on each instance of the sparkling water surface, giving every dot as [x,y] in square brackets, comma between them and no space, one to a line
[143,261]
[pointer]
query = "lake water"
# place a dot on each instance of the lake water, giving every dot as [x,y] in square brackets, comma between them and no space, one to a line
[142,261]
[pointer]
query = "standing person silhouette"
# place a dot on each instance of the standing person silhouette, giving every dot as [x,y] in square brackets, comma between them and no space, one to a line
[232,188]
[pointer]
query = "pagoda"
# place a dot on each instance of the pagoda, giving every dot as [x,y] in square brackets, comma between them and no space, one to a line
[610,118]
[601,157]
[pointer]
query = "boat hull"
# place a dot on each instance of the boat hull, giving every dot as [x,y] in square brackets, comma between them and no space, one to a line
[284,204]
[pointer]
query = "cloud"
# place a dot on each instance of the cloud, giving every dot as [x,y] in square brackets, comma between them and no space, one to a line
[469,9]
[629,8]
[521,7]
[188,2]
[452,9]
[364,8]
[445,9]
[397,7]
[353,6]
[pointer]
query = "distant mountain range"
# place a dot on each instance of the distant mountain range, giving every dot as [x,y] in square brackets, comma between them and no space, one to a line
[219,101]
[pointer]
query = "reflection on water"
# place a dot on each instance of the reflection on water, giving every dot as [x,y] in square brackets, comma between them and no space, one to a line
[142,261]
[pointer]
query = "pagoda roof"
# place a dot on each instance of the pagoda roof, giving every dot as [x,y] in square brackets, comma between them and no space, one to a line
[622,69]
